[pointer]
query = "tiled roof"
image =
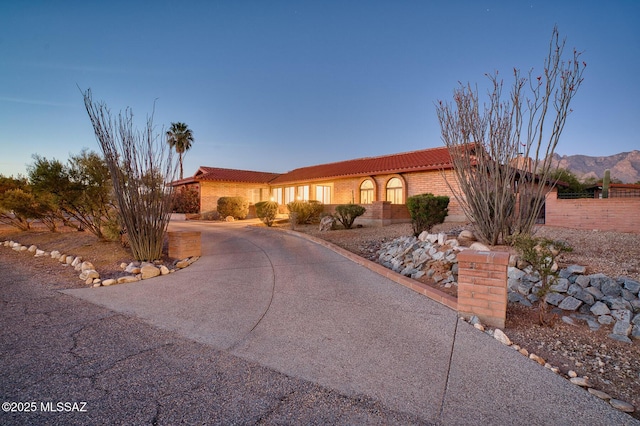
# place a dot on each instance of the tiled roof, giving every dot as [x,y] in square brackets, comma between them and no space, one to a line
[216,174]
[426,159]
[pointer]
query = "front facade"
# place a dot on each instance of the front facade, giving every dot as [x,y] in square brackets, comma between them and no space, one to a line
[381,184]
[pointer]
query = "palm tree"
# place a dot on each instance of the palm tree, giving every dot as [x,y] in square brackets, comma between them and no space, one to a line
[180,137]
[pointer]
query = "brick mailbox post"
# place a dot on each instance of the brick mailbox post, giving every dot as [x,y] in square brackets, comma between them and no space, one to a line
[482,286]
[184,244]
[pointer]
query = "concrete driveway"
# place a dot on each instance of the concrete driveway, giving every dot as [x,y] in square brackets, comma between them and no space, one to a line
[303,310]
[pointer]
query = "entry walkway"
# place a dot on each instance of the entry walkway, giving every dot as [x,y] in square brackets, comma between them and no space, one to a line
[302,309]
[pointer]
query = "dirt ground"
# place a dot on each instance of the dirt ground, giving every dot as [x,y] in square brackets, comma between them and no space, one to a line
[611,366]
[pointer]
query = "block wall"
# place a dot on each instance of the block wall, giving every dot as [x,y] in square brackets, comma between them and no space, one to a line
[607,214]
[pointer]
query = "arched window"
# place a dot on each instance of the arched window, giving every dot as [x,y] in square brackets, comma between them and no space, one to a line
[394,191]
[366,192]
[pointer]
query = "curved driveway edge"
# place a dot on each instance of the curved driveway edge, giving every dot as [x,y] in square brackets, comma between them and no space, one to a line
[430,292]
[292,305]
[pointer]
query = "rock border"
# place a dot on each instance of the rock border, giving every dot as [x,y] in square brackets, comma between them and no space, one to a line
[571,375]
[136,271]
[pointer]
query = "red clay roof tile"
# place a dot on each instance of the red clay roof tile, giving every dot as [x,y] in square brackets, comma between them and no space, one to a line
[426,159]
[218,174]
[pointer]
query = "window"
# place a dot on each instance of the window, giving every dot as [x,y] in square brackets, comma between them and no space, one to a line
[366,192]
[277,195]
[302,193]
[255,195]
[323,194]
[289,194]
[394,191]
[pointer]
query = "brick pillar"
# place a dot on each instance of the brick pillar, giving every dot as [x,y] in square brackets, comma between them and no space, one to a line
[482,286]
[380,212]
[184,244]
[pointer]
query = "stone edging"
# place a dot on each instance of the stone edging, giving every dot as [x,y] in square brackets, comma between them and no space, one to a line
[572,376]
[137,270]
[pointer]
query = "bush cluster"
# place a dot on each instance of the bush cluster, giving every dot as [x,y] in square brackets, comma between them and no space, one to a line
[267,211]
[236,207]
[186,200]
[78,194]
[427,210]
[346,214]
[305,211]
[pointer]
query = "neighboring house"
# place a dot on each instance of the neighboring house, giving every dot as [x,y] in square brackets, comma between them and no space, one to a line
[381,184]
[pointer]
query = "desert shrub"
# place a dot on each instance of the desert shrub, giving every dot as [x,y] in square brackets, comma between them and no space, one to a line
[236,207]
[346,214]
[427,210]
[186,200]
[541,254]
[267,211]
[305,211]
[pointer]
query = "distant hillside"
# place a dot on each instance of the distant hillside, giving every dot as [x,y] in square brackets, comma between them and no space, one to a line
[624,166]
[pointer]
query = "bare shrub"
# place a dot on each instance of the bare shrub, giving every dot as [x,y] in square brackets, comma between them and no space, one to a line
[141,170]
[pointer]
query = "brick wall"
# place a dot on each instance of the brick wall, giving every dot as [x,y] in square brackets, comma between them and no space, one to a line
[348,190]
[210,192]
[482,286]
[607,214]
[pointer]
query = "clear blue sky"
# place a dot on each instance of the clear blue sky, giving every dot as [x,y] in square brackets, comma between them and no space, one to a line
[276,85]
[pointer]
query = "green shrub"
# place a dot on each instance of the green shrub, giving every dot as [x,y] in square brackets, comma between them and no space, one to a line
[346,214]
[267,211]
[541,254]
[305,211]
[427,210]
[237,207]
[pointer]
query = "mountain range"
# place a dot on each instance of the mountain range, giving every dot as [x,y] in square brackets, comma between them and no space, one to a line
[624,167]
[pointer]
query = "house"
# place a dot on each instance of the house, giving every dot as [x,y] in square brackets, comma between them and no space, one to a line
[381,184]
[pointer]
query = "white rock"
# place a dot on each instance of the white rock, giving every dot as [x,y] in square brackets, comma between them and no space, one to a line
[89,274]
[501,337]
[32,249]
[467,235]
[599,394]
[69,260]
[86,266]
[164,270]
[39,253]
[133,268]
[55,254]
[127,279]
[76,261]
[62,258]
[123,265]
[572,374]
[580,381]
[149,271]
[478,326]
[108,282]
[622,405]
[537,359]
[479,246]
